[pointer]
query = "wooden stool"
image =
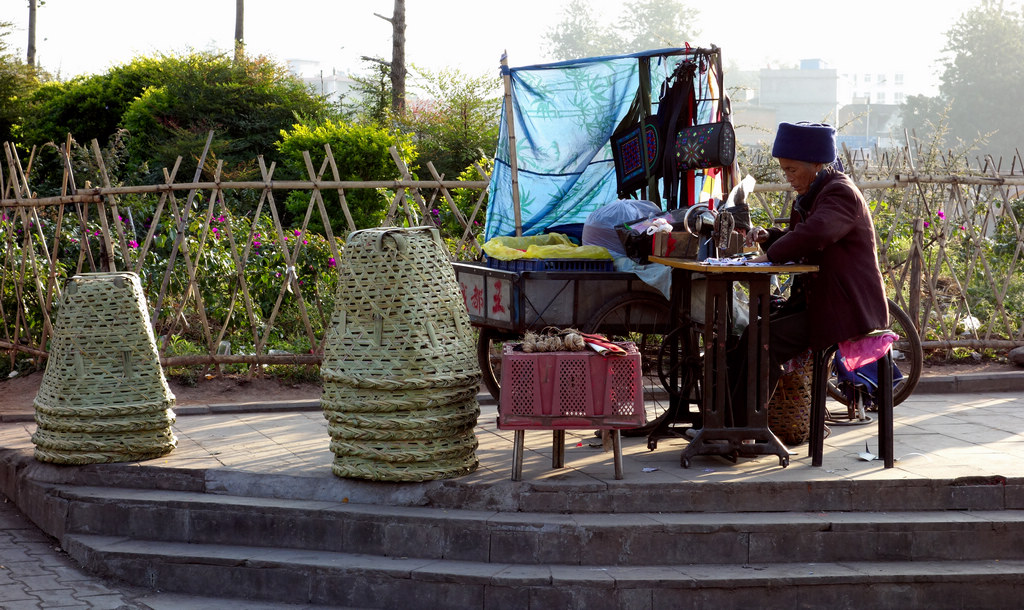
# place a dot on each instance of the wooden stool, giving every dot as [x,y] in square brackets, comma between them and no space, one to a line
[882,397]
[558,451]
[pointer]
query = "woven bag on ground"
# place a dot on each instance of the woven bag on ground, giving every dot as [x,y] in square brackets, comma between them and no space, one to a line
[400,369]
[103,396]
[789,410]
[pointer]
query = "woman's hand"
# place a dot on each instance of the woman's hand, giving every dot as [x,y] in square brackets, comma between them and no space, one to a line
[756,235]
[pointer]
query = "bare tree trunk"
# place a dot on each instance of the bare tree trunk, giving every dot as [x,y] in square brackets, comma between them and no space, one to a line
[239,23]
[398,59]
[30,56]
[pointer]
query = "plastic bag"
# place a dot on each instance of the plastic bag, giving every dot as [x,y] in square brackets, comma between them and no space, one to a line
[549,245]
[599,229]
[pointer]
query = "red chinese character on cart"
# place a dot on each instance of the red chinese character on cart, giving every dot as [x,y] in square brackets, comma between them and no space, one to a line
[477,300]
[497,307]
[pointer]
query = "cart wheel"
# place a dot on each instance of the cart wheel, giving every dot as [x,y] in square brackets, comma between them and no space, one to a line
[489,345]
[907,355]
[684,462]
[640,317]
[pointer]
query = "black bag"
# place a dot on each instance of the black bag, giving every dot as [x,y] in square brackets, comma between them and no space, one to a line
[704,146]
[676,109]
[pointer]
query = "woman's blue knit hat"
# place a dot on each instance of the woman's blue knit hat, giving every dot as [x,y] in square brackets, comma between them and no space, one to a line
[811,142]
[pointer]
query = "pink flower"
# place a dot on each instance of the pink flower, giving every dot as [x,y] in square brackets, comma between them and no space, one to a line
[133,244]
[963,228]
[298,232]
[927,224]
[941,214]
[331,262]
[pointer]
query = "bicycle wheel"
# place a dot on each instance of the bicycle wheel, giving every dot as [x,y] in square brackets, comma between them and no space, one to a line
[907,355]
[643,318]
[489,345]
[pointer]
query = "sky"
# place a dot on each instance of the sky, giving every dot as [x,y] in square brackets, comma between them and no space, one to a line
[88,37]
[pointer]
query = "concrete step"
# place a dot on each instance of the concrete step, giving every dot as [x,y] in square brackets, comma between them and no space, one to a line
[549,495]
[368,581]
[619,539]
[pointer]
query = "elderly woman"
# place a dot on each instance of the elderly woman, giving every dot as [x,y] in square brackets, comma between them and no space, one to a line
[830,226]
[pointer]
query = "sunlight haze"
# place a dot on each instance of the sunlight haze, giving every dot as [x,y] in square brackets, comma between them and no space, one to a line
[75,37]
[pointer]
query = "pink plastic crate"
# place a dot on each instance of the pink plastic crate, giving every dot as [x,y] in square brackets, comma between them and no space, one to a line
[570,390]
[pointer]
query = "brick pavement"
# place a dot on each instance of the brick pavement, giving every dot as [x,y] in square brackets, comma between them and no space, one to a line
[36,573]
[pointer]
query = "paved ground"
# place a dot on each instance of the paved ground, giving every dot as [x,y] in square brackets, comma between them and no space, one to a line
[36,573]
[937,435]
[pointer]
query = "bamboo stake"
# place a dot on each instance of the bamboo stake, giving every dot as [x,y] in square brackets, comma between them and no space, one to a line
[510,127]
[341,194]
[182,229]
[154,222]
[116,216]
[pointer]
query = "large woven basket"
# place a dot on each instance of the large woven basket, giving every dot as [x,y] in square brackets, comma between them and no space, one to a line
[400,370]
[789,410]
[399,321]
[103,396]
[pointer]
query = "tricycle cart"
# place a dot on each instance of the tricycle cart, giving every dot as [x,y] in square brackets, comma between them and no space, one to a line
[505,304]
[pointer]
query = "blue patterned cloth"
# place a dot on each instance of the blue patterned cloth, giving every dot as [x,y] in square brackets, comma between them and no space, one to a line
[565,114]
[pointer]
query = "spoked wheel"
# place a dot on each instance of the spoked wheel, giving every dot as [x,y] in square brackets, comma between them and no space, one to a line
[907,355]
[643,318]
[489,345]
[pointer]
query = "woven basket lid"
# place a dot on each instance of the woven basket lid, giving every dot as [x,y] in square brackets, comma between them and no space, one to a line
[103,355]
[399,319]
[103,396]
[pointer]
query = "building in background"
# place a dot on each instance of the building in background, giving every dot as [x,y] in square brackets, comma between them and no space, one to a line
[863,105]
[331,83]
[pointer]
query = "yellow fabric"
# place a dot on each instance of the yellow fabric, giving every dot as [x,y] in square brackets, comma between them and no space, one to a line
[550,245]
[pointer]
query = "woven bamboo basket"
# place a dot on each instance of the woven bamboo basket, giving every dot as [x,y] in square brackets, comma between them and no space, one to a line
[789,410]
[103,396]
[400,370]
[399,321]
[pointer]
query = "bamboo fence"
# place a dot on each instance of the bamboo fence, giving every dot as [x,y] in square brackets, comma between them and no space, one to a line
[950,246]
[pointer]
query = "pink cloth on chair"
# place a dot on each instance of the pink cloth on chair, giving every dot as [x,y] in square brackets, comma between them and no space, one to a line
[857,352]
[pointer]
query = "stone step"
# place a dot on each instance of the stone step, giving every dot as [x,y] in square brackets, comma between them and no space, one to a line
[549,495]
[368,581]
[619,539]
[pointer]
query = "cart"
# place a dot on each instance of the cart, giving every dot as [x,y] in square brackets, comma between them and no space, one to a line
[505,304]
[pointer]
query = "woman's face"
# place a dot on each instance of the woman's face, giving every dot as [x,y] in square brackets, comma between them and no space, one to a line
[799,174]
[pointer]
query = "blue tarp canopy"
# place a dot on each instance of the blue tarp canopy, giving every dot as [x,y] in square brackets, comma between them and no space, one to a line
[564,115]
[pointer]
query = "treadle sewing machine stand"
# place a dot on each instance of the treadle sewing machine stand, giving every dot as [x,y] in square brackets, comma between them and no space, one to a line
[679,366]
[749,435]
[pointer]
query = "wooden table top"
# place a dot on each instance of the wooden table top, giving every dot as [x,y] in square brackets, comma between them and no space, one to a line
[703,267]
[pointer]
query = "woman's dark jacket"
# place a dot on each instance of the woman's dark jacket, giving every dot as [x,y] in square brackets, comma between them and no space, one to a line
[830,226]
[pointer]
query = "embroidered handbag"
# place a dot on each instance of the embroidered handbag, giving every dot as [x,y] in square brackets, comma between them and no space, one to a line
[629,152]
[704,146]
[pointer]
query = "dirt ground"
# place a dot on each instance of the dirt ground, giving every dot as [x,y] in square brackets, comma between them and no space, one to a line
[17,394]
